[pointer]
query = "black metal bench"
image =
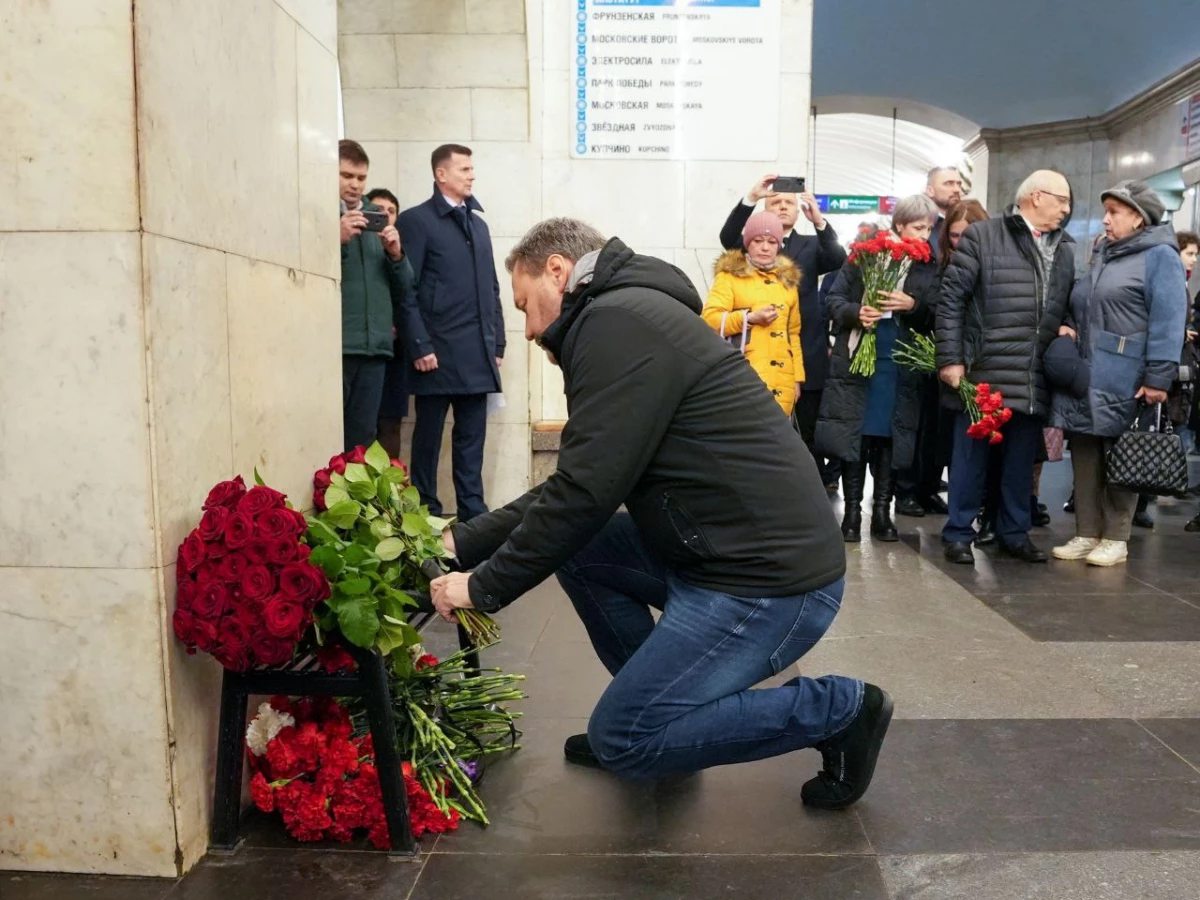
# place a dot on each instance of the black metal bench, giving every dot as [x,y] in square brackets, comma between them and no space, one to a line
[304,678]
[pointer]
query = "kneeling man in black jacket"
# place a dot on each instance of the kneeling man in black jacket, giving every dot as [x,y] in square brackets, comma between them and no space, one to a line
[728,531]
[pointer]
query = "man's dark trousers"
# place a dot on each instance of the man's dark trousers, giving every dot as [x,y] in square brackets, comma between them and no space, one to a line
[470,429]
[808,410]
[968,474]
[362,392]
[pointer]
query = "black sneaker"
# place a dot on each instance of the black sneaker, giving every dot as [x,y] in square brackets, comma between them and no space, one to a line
[577,750]
[849,758]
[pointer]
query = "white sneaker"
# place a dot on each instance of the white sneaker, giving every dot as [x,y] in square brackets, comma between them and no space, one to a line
[1076,548]
[1109,553]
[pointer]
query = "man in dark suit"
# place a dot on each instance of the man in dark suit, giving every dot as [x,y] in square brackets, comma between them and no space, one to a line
[453,329]
[815,255]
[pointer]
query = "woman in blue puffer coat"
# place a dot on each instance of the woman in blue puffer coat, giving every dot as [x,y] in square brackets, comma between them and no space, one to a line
[1129,311]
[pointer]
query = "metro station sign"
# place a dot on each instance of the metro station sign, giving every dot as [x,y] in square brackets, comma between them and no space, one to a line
[856,203]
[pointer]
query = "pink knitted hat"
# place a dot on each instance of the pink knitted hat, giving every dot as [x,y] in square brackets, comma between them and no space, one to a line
[762,223]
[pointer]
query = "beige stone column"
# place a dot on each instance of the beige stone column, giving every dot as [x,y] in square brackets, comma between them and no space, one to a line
[169,316]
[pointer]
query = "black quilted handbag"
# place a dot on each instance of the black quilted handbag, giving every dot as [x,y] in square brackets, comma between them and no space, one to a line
[1149,462]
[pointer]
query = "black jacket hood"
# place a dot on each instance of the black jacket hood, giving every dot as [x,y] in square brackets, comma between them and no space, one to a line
[619,267]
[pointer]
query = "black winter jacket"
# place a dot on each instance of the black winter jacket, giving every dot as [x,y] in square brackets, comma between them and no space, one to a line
[994,316]
[815,255]
[668,419]
[844,402]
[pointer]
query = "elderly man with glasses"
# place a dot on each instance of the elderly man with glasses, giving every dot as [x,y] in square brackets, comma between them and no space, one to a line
[1004,299]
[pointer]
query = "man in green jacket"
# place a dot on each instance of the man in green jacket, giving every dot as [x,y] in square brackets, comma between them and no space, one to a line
[375,277]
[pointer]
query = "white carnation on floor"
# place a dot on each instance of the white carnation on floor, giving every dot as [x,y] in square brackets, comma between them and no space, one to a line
[264,727]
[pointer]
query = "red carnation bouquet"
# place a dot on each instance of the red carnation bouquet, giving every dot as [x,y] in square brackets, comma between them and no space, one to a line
[245,588]
[884,261]
[323,781]
[985,406]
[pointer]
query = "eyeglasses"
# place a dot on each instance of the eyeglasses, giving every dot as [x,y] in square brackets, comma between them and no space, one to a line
[1059,197]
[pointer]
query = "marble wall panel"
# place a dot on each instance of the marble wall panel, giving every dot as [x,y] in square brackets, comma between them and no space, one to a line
[499,114]
[317,133]
[218,153]
[461,60]
[496,16]
[74,460]
[398,114]
[285,374]
[84,743]
[317,17]
[70,157]
[186,321]
[367,60]
[401,16]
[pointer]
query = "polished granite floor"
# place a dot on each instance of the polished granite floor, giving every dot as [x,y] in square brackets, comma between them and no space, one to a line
[1046,745]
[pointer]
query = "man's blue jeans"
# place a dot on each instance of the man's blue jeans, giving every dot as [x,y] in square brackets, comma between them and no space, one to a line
[681,699]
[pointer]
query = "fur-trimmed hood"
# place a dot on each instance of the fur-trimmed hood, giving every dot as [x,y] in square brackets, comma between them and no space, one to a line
[738,265]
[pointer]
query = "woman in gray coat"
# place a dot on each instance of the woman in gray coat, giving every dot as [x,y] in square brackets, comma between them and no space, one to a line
[1128,313]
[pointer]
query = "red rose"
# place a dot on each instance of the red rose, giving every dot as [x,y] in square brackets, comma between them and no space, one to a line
[257,582]
[226,493]
[300,521]
[285,619]
[239,528]
[204,635]
[396,464]
[236,659]
[249,618]
[272,651]
[217,550]
[301,582]
[258,551]
[185,625]
[262,794]
[259,500]
[321,479]
[207,572]
[275,523]
[212,523]
[232,567]
[192,552]
[210,601]
[303,551]
[357,455]
[319,500]
[334,659]
[338,464]
[185,595]
[282,550]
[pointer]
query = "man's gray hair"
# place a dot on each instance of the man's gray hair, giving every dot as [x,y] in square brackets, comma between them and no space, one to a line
[569,238]
[937,170]
[914,208]
[1042,180]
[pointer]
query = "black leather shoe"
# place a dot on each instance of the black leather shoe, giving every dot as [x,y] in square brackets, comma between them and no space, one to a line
[577,750]
[1193,525]
[959,553]
[1042,519]
[987,533]
[908,506]
[1143,519]
[934,505]
[943,486]
[1069,506]
[848,760]
[1026,552]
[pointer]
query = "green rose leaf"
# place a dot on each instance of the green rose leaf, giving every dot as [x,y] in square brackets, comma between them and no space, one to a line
[362,490]
[377,458]
[395,635]
[357,472]
[389,549]
[382,528]
[355,555]
[328,559]
[358,619]
[335,495]
[439,524]
[342,515]
[258,478]
[337,480]
[415,525]
[354,587]
[411,498]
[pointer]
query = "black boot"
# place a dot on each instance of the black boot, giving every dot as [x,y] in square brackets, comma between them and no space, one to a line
[848,760]
[853,476]
[882,526]
[1142,518]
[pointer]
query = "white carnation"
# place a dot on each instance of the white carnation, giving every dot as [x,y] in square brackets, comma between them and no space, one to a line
[264,727]
[416,651]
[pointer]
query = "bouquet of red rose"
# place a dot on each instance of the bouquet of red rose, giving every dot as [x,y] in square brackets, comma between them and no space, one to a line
[309,766]
[884,261]
[245,588]
[984,406]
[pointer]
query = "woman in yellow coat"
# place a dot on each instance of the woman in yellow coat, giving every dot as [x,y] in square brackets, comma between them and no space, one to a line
[755,305]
